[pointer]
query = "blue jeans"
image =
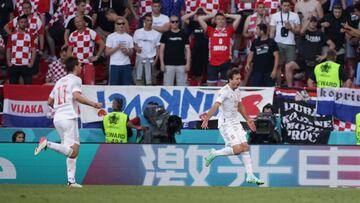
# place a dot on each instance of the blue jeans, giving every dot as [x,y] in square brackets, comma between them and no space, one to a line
[120,75]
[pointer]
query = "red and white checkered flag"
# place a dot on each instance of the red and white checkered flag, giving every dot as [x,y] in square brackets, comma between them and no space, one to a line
[343,126]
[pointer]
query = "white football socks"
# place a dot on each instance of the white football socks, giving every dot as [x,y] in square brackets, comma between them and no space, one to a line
[247,162]
[71,169]
[227,151]
[62,149]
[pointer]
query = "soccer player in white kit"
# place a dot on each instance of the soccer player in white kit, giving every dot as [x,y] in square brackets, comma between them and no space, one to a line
[229,102]
[64,99]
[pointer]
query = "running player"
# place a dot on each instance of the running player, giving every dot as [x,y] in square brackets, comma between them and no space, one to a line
[64,99]
[229,102]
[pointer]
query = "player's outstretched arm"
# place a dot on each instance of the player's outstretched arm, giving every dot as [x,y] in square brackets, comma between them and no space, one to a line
[209,114]
[80,98]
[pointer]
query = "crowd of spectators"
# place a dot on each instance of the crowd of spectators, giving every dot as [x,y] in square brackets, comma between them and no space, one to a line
[179,42]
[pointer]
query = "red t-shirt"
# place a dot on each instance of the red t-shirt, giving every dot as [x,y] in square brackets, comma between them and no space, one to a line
[219,44]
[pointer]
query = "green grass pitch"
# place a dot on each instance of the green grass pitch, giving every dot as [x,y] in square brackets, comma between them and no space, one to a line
[149,194]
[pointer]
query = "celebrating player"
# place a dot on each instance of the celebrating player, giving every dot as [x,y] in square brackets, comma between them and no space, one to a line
[229,102]
[64,99]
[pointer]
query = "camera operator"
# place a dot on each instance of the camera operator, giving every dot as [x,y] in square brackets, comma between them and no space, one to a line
[283,27]
[265,128]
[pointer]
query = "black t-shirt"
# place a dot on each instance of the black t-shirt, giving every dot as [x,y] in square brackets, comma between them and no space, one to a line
[174,53]
[263,60]
[201,39]
[333,32]
[311,44]
[71,24]
[100,8]
[342,74]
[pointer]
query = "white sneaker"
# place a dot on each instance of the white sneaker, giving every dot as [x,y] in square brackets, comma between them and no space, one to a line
[74,185]
[41,146]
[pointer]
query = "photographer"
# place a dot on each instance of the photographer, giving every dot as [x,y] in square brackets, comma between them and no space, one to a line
[283,27]
[266,131]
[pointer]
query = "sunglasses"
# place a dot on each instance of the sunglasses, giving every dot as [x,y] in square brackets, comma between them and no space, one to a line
[174,21]
[120,23]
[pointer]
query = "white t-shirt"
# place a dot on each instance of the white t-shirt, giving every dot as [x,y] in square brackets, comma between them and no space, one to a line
[112,41]
[229,100]
[65,106]
[148,41]
[276,21]
[160,21]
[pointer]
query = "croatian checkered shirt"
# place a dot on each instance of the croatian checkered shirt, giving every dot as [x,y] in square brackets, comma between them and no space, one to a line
[35,25]
[56,71]
[190,5]
[34,6]
[66,8]
[241,6]
[83,44]
[272,5]
[144,6]
[21,45]
[212,6]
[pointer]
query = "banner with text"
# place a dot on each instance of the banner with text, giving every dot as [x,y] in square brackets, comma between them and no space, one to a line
[169,165]
[186,102]
[342,103]
[301,125]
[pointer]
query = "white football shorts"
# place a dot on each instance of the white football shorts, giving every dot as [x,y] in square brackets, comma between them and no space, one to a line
[68,131]
[233,134]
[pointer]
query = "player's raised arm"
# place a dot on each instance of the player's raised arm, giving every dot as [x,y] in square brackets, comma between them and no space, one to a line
[80,98]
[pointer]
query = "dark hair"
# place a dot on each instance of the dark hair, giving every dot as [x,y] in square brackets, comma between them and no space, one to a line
[119,103]
[219,14]
[22,17]
[64,49]
[78,2]
[156,2]
[70,63]
[268,106]
[338,7]
[357,6]
[232,72]
[331,54]
[149,15]
[16,134]
[285,1]
[263,27]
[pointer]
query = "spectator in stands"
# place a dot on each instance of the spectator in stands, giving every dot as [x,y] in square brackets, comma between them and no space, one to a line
[18,136]
[333,26]
[160,21]
[82,45]
[175,54]
[329,73]
[104,26]
[200,49]
[116,125]
[119,46]
[283,27]
[251,22]
[70,21]
[264,56]
[172,8]
[312,41]
[219,46]
[143,7]
[21,52]
[309,8]
[6,8]
[35,27]
[146,44]
[57,68]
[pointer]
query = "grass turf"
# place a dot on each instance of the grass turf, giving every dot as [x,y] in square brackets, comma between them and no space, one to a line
[148,194]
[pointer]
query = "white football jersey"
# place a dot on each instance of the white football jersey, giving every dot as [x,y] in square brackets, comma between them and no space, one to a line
[65,105]
[229,100]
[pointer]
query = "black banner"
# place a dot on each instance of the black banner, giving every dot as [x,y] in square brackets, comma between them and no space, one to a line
[300,125]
